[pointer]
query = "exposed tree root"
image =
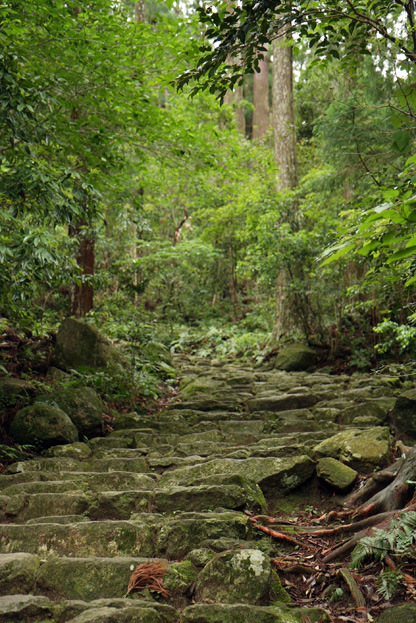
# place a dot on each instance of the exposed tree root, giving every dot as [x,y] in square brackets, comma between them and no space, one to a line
[276,535]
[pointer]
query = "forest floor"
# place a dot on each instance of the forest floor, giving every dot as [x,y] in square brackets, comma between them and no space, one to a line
[308,528]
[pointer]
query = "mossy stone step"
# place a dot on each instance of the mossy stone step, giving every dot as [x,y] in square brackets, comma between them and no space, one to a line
[241,613]
[116,610]
[89,482]
[282,474]
[90,465]
[88,579]
[285,402]
[84,539]
[25,609]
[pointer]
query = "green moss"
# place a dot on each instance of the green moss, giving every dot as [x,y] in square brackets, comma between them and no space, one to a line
[277,592]
[179,577]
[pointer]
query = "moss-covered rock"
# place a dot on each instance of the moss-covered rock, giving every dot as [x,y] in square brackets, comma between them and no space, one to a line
[404,414]
[82,405]
[77,450]
[17,573]
[244,613]
[360,450]
[373,409]
[182,535]
[295,357]
[241,576]
[81,345]
[271,474]
[43,426]
[179,577]
[400,614]
[84,539]
[24,609]
[336,474]
[15,392]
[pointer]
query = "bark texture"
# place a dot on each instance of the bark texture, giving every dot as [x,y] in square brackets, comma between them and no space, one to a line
[284,114]
[261,114]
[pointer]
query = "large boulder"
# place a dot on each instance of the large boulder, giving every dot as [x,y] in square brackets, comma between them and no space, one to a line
[404,414]
[43,426]
[81,346]
[236,576]
[295,357]
[82,405]
[363,450]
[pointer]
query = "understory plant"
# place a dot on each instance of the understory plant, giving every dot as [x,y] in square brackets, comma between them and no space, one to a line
[396,542]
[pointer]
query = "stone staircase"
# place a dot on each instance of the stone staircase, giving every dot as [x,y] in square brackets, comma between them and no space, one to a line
[173,487]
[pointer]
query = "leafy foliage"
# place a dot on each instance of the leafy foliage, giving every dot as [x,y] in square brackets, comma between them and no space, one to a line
[397,541]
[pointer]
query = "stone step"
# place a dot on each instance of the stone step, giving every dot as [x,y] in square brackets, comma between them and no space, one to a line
[84,539]
[123,504]
[51,482]
[96,577]
[73,465]
[282,474]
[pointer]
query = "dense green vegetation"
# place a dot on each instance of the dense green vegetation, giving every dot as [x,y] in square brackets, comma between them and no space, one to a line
[124,200]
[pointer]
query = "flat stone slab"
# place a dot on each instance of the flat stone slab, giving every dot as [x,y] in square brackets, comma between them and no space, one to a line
[99,538]
[239,613]
[202,498]
[47,482]
[89,465]
[69,609]
[22,608]
[285,402]
[97,578]
[277,474]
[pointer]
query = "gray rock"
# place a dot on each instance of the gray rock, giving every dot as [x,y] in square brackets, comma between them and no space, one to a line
[296,357]
[404,414]
[336,474]
[80,345]
[241,576]
[17,573]
[43,426]
[15,392]
[82,405]
[400,614]
[361,450]
[24,608]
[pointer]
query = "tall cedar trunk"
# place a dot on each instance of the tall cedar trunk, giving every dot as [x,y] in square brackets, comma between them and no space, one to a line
[83,293]
[261,115]
[283,119]
[284,114]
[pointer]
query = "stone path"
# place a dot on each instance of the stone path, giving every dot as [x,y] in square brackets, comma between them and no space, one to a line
[173,487]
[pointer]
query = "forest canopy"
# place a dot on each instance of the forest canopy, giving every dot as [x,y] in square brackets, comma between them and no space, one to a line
[130,202]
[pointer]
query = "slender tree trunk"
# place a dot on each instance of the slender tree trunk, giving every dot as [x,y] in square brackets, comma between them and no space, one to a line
[283,119]
[83,292]
[239,110]
[284,114]
[261,115]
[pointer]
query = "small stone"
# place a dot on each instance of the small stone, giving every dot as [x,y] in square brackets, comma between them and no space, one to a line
[336,474]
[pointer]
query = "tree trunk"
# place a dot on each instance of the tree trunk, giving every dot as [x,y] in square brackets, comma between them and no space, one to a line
[83,292]
[284,114]
[261,115]
[283,119]
[239,110]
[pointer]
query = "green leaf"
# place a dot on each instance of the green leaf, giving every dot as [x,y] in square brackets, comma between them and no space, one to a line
[401,255]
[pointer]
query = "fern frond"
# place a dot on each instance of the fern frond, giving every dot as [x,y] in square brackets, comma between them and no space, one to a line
[388,583]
